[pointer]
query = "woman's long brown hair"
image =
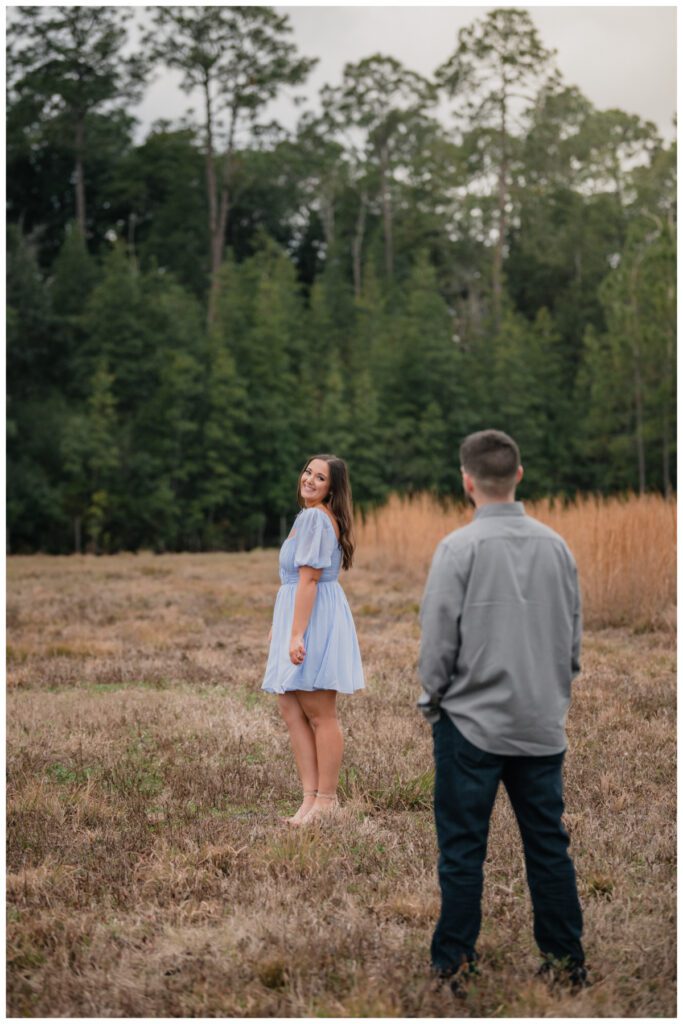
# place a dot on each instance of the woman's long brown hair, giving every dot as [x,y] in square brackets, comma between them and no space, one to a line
[339,502]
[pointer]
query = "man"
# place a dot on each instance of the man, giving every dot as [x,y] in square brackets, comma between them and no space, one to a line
[501,634]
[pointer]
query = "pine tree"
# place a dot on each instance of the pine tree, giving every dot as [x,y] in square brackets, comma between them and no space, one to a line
[103,457]
[629,370]
[238,58]
[67,61]
[517,404]
[226,469]
[148,330]
[114,328]
[366,454]
[333,428]
[498,60]
[169,423]
[266,337]
[423,383]
[29,323]
[74,275]
[603,435]
[34,411]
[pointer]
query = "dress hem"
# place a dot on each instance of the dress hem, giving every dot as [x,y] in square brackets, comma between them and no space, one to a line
[311,689]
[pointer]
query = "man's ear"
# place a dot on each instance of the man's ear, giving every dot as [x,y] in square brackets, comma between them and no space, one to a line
[520,474]
[467,482]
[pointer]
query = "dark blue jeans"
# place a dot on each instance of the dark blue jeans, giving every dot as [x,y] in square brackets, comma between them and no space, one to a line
[464,793]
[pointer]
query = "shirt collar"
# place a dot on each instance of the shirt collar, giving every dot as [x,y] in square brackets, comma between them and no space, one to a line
[500,508]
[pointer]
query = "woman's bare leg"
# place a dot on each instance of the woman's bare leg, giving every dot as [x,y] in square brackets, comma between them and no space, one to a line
[320,709]
[302,738]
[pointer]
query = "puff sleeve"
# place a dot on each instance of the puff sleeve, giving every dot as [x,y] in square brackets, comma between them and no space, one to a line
[315,540]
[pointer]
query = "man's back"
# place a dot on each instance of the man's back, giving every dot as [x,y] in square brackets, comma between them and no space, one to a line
[501,632]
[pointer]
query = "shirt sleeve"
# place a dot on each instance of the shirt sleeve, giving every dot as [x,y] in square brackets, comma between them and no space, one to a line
[315,540]
[440,620]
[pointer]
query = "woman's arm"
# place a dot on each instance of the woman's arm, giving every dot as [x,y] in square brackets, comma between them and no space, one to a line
[306,590]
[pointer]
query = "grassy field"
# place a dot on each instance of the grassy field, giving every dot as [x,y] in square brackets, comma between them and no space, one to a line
[148,872]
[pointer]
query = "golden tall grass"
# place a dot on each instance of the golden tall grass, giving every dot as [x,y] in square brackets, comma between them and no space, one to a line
[625,549]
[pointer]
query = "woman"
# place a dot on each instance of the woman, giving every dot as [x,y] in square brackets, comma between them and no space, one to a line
[314,649]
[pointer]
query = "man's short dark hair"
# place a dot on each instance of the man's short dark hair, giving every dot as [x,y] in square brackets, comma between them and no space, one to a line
[492,458]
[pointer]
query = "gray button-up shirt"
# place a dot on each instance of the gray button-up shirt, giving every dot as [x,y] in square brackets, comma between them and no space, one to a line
[501,632]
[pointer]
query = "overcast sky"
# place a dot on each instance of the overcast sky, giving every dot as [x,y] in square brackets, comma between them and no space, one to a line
[618,56]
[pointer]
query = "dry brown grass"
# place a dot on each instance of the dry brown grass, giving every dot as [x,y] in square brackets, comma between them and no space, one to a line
[147,871]
[625,549]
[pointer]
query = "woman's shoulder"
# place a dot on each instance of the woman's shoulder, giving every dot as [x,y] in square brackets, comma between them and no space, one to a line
[317,514]
[311,514]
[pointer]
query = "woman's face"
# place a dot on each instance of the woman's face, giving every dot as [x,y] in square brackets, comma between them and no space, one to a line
[315,482]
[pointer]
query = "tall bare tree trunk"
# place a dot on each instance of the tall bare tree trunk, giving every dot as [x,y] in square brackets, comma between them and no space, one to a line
[211,193]
[474,310]
[80,177]
[497,269]
[132,221]
[387,215]
[218,213]
[327,216]
[217,246]
[357,247]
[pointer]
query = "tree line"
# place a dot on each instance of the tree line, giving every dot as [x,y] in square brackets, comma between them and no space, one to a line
[191,315]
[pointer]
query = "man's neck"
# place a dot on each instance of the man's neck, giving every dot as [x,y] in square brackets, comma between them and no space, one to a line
[480,501]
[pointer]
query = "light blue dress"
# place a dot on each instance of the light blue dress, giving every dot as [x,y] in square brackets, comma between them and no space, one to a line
[332,659]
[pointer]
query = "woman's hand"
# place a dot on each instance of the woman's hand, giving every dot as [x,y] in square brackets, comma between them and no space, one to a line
[297,652]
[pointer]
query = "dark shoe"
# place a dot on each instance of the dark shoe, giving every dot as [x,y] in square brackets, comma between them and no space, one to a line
[564,972]
[456,979]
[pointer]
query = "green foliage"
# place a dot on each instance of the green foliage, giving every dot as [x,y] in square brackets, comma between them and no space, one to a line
[65,63]
[160,189]
[35,410]
[631,368]
[527,398]
[421,387]
[499,61]
[389,284]
[29,321]
[36,519]
[40,169]
[103,456]
[384,105]
[70,56]
[259,322]
[238,58]
[226,474]
[74,275]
